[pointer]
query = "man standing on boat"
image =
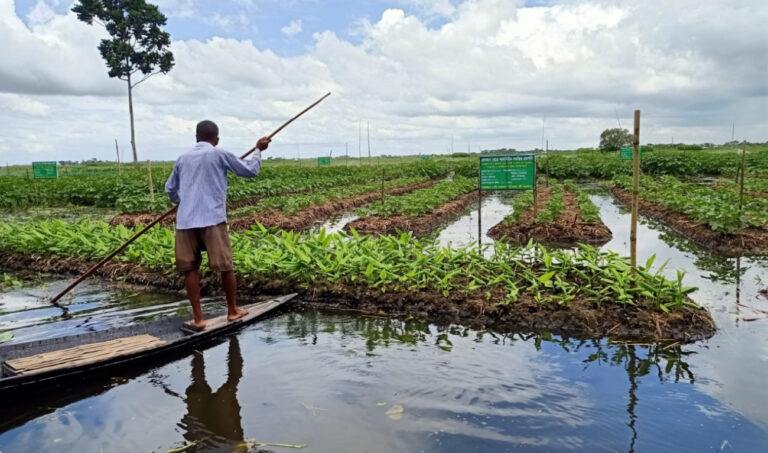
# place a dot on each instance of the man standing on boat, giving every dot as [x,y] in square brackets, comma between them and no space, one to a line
[198,184]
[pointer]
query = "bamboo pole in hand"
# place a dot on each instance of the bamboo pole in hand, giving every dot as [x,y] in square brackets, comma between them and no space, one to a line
[55,299]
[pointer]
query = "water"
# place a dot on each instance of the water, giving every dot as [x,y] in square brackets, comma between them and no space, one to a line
[350,383]
[344,383]
[463,231]
[93,306]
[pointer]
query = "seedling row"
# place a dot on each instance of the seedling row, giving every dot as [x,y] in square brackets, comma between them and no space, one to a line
[563,216]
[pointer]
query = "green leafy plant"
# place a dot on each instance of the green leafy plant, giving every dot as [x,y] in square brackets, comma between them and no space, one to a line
[383,263]
[422,201]
[718,208]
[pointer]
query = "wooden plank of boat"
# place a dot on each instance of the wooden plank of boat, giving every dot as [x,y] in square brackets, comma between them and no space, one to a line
[254,311]
[94,354]
[80,355]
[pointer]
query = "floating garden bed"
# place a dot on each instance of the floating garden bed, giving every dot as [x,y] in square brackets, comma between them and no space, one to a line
[313,209]
[566,217]
[420,212]
[297,211]
[583,292]
[709,217]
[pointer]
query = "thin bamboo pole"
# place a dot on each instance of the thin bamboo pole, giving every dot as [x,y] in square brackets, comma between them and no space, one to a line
[149,180]
[55,300]
[743,172]
[635,193]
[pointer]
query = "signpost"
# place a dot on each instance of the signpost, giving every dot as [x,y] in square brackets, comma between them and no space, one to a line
[45,170]
[507,172]
[628,153]
[323,161]
[510,172]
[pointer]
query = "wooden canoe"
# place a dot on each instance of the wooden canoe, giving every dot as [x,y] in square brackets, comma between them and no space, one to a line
[25,366]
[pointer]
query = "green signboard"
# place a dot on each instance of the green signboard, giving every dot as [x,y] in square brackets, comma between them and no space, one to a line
[323,161]
[425,157]
[627,152]
[45,170]
[507,172]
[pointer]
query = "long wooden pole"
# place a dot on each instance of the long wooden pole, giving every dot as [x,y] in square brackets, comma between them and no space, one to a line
[55,300]
[635,193]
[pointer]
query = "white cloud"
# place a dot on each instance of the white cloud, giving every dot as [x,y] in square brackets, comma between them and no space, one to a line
[293,28]
[488,76]
[23,104]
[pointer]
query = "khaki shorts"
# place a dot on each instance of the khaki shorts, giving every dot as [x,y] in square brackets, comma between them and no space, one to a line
[213,239]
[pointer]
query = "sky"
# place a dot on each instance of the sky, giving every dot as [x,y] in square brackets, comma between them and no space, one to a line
[421,75]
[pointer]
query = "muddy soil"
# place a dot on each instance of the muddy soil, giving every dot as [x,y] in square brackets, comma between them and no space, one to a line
[567,230]
[747,241]
[581,318]
[299,221]
[419,225]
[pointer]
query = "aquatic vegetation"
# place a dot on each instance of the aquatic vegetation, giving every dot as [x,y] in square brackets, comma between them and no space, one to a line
[9,281]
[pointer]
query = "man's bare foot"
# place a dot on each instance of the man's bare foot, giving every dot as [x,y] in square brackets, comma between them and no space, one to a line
[200,325]
[239,313]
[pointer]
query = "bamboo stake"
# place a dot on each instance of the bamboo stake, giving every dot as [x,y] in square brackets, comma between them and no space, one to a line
[55,300]
[151,184]
[743,171]
[635,193]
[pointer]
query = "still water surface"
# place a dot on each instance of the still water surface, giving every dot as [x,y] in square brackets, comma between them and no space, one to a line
[339,382]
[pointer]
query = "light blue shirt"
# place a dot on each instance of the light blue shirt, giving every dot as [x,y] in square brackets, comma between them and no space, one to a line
[198,184]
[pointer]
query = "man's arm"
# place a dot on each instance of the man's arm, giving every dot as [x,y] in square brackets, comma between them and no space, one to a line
[246,168]
[172,185]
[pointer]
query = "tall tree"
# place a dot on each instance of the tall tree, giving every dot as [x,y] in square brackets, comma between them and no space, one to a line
[137,44]
[614,139]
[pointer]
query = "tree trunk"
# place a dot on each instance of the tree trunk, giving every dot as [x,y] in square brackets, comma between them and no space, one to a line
[130,111]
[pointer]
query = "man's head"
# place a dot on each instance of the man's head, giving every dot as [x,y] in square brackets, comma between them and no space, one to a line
[207,131]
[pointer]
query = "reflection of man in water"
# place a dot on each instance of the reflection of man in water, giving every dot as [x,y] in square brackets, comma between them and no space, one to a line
[214,415]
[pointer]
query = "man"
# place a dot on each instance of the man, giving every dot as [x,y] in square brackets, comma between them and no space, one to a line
[198,184]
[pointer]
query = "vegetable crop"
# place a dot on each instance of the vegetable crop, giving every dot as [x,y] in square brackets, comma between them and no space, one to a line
[293,203]
[385,263]
[718,208]
[421,201]
[589,212]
